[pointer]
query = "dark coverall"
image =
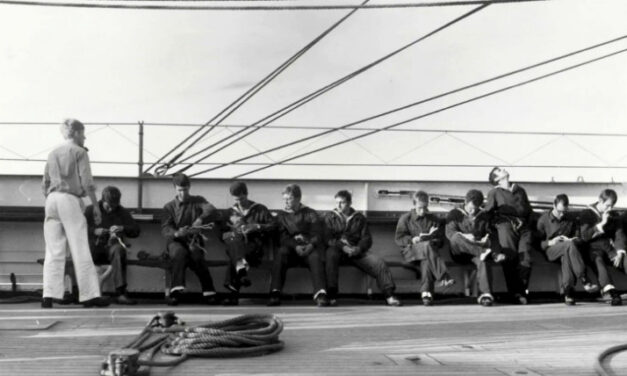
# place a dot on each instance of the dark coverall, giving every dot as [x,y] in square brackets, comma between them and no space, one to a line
[567,252]
[178,214]
[353,230]
[464,251]
[510,213]
[304,223]
[248,246]
[432,267]
[601,247]
[108,250]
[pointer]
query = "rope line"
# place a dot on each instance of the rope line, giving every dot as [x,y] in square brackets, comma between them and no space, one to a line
[526,82]
[262,7]
[166,341]
[255,89]
[306,99]
[350,125]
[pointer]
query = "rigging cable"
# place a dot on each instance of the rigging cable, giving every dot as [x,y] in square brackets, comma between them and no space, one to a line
[252,91]
[261,7]
[491,93]
[306,99]
[349,125]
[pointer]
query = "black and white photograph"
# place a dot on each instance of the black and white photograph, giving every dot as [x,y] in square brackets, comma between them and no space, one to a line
[313,187]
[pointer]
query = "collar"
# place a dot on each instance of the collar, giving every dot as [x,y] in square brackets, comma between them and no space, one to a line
[596,211]
[553,218]
[348,217]
[300,208]
[244,211]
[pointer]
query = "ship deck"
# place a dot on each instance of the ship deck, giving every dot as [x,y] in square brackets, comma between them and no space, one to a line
[355,338]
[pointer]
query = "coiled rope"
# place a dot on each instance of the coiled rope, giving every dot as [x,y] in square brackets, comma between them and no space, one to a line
[165,336]
[599,364]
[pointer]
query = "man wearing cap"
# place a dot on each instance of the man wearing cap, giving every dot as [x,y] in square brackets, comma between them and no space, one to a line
[107,239]
[67,178]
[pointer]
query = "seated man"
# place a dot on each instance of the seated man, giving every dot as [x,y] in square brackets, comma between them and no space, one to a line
[301,242]
[419,235]
[349,239]
[106,240]
[181,227]
[560,240]
[249,223]
[473,240]
[604,240]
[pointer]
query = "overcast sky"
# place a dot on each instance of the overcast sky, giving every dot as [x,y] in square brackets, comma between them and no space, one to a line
[101,65]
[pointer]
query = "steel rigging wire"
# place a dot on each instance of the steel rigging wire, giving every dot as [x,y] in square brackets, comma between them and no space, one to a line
[121,5]
[422,101]
[306,99]
[248,94]
[434,112]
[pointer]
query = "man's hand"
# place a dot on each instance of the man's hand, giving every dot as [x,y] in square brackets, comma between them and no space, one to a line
[618,260]
[100,231]
[197,222]
[248,228]
[299,238]
[469,237]
[417,239]
[115,229]
[304,250]
[350,250]
[182,232]
[432,230]
[97,215]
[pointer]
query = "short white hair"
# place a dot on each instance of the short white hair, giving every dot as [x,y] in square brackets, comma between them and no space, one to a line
[69,126]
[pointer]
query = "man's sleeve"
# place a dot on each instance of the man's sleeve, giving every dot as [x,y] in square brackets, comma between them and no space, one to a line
[402,236]
[452,223]
[588,221]
[365,241]
[84,170]
[45,181]
[317,228]
[131,228]
[168,224]
[541,226]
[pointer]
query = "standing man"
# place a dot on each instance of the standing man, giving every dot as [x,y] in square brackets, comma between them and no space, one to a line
[510,213]
[249,226]
[420,235]
[67,178]
[348,238]
[604,239]
[472,239]
[301,242]
[107,239]
[181,224]
[560,240]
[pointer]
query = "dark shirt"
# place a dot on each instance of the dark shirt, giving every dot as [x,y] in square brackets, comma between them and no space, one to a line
[353,228]
[549,227]
[118,217]
[459,220]
[613,229]
[177,214]
[410,225]
[256,214]
[504,204]
[304,221]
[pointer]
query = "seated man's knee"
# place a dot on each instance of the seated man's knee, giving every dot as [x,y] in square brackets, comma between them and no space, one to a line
[177,251]
[117,251]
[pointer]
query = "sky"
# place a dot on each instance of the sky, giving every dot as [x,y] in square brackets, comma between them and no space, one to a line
[163,66]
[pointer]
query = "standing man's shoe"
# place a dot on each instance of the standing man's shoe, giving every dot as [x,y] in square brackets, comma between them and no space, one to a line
[275,299]
[321,299]
[486,300]
[173,299]
[427,299]
[393,301]
[46,302]
[125,300]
